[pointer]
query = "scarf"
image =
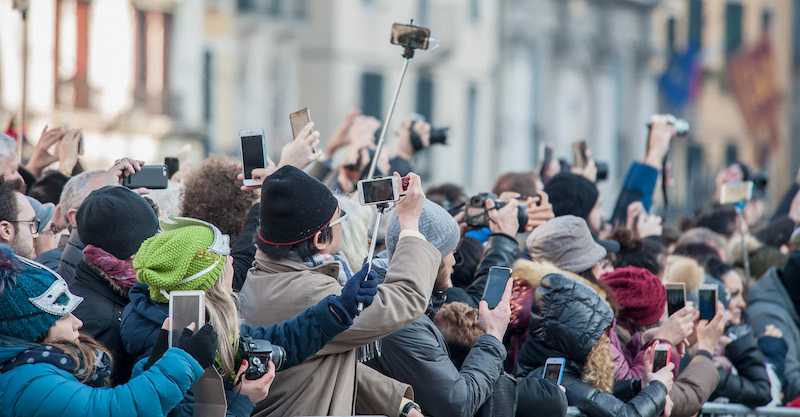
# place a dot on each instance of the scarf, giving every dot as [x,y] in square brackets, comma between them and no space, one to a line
[59,359]
[117,271]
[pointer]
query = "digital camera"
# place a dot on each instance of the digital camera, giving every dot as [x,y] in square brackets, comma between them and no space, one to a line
[476,214]
[258,353]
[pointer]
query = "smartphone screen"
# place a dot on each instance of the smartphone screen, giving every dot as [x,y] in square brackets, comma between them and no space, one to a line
[377,191]
[409,35]
[173,165]
[150,176]
[579,154]
[661,357]
[676,298]
[553,370]
[252,155]
[496,285]
[185,307]
[734,193]
[299,120]
[707,302]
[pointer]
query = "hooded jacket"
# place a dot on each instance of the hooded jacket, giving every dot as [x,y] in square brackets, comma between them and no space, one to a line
[750,385]
[326,383]
[41,389]
[101,313]
[73,253]
[769,303]
[300,337]
[567,319]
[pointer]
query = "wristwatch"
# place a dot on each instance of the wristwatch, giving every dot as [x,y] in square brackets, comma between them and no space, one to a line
[407,408]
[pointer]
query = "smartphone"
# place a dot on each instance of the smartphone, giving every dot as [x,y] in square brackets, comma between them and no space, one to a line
[554,370]
[661,357]
[410,36]
[185,308]
[378,190]
[153,177]
[299,120]
[548,157]
[676,296]
[707,301]
[80,145]
[254,153]
[579,154]
[173,165]
[496,285]
[740,192]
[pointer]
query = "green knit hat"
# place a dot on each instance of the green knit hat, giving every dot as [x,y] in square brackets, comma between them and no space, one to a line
[189,255]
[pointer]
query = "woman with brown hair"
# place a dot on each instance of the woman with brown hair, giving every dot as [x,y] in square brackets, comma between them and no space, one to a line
[570,320]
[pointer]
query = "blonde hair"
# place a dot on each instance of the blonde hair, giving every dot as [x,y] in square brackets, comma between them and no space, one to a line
[221,307]
[599,369]
[355,231]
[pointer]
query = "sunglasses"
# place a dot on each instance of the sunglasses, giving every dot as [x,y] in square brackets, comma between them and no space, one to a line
[342,217]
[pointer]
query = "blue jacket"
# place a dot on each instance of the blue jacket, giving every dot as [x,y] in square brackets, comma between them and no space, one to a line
[41,389]
[301,337]
[639,185]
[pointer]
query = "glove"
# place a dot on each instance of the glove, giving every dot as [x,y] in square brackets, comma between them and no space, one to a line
[161,346]
[357,290]
[202,345]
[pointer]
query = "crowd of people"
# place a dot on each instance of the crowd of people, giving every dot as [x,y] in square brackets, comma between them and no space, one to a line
[87,267]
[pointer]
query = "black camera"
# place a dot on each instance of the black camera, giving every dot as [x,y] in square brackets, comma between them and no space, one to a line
[476,214]
[257,353]
[602,168]
[760,179]
[438,134]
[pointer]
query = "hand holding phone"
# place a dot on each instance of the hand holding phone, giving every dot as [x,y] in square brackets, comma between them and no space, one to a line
[676,297]
[554,370]
[152,177]
[254,154]
[707,302]
[495,285]
[379,190]
[299,120]
[494,321]
[185,308]
[661,356]
[739,193]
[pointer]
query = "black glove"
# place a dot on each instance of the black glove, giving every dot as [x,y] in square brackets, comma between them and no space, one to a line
[357,290]
[202,345]
[161,346]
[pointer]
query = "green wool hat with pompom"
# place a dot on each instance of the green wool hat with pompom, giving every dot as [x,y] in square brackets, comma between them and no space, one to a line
[179,260]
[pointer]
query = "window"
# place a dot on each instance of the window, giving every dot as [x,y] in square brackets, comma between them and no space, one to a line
[733,28]
[425,97]
[696,22]
[766,19]
[208,85]
[81,81]
[470,136]
[474,10]
[422,13]
[372,94]
[153,40]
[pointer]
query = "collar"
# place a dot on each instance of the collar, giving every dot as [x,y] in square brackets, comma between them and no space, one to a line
[90,277]
[275,266]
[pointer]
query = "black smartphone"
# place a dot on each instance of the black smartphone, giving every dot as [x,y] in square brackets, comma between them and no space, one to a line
[410,36]
[676,297]
[153,177]
[173,165]
[496,285]
[254,154]
[707,301]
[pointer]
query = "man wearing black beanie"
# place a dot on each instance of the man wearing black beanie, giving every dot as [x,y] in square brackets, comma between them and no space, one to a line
[574,194]
[775,300]
[113,222]
[295,268]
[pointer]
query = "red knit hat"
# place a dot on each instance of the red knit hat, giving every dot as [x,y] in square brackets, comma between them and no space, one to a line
[640,295]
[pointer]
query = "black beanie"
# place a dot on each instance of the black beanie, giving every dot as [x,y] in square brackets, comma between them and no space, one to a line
[294,207]
[571,194]
[116,220]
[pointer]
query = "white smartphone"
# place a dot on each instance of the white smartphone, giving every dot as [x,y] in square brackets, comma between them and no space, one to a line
[185,308]
[707,303]
[378,190]
[676,296]
[254,153]
[736,193]
[554,370]
[299,120]
[661,356]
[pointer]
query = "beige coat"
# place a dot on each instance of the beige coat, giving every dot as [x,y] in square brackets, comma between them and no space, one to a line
[326,383]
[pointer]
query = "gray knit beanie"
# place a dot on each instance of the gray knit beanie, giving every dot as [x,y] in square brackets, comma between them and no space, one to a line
[435,223]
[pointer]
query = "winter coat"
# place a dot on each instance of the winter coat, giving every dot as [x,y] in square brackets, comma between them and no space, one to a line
[73,254]
[639,185]
[567,319]
[326,383]
[693,386]
[300,337]
[41,389]
[751,386]
[769,303]
[101,313]
[417,355]
[501,250]
[51,258]
[243,249]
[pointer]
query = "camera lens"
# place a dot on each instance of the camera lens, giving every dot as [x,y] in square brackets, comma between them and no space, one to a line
[439,135]
[278,357]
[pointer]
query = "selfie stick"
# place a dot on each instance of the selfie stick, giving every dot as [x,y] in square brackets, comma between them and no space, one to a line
[740,212]
[408,55]
[381,208]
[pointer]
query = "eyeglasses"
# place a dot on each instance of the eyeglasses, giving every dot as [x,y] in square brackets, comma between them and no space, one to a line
[342,217]
[34,224]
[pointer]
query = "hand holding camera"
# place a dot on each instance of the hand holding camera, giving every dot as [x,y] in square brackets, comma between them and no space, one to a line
[405,146]
[410,208]
[255,389]
[539,211]
[504,219]
[663,127]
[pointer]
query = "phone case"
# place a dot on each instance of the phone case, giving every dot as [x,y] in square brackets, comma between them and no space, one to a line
[249,133]
[153,177]
[495,285]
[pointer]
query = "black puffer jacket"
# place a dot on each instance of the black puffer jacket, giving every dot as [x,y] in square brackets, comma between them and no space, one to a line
[751,386]
[567,319]
[501,250]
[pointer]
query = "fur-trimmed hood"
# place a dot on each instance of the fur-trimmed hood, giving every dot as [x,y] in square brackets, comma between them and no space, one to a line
[686,270]
[532,272]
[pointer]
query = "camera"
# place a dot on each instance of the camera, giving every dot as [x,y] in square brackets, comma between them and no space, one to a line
[760,179]
[477,215]
[257,353]
[438,134]
[602,168]
[681,126]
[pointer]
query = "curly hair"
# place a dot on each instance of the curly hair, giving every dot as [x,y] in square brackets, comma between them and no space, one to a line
[213,194]
[458,323]
[599,369]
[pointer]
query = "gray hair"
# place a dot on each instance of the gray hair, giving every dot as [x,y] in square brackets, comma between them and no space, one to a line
[75,191]
[8,146]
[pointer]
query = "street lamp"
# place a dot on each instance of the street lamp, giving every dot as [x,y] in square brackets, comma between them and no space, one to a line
[22,6]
